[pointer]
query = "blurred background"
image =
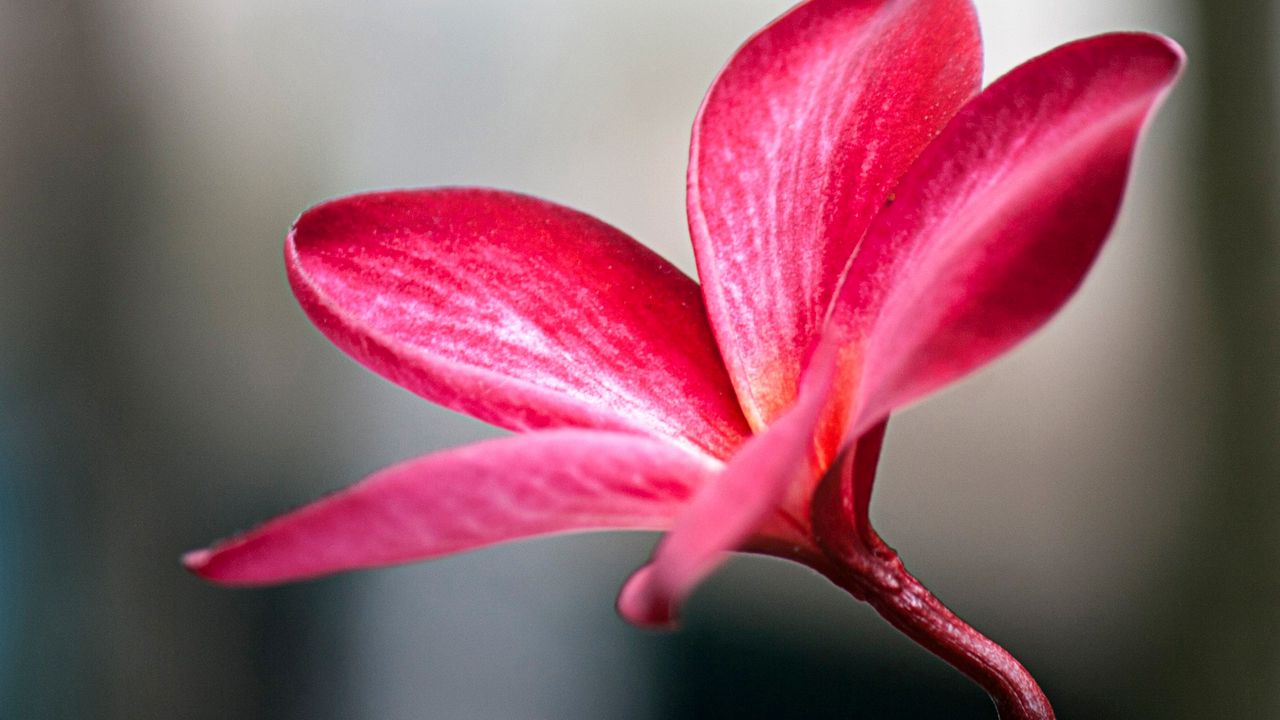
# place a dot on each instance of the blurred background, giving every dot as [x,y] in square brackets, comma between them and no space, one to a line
[1103,501]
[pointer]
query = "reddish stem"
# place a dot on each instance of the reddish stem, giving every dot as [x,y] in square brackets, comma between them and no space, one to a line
[861,563]
[899,598]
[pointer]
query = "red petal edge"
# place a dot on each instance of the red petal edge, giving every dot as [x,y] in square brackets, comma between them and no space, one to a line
[545,482]
[515,310]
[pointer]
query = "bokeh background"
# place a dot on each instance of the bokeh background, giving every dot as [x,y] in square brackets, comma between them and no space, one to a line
[1104,501]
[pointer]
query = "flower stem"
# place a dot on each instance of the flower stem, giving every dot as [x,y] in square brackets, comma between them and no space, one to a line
[885,584]
[857,560]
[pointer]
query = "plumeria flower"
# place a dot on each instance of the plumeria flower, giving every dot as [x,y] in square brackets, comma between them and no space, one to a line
[868,228]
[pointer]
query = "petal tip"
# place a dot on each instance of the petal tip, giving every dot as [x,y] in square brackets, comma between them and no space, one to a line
[1176,50]
[197,561]
[1175,54]
[641,605]
[1150,43]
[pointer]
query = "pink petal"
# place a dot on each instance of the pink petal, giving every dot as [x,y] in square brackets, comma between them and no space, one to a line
[735,506]
[797,145]
[546,482]
[994,227]
[516,311]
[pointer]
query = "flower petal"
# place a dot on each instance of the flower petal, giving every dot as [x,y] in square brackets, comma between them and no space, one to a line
[545,482]
[733,507]
[515,310]
[996,224]
[795,148]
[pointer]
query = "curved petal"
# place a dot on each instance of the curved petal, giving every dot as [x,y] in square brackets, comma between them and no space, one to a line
[995,226]
[733,507]
[546,482]
[515,310]
[796,147]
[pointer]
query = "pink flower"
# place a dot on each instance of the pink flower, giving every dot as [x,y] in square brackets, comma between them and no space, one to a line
[868,228]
